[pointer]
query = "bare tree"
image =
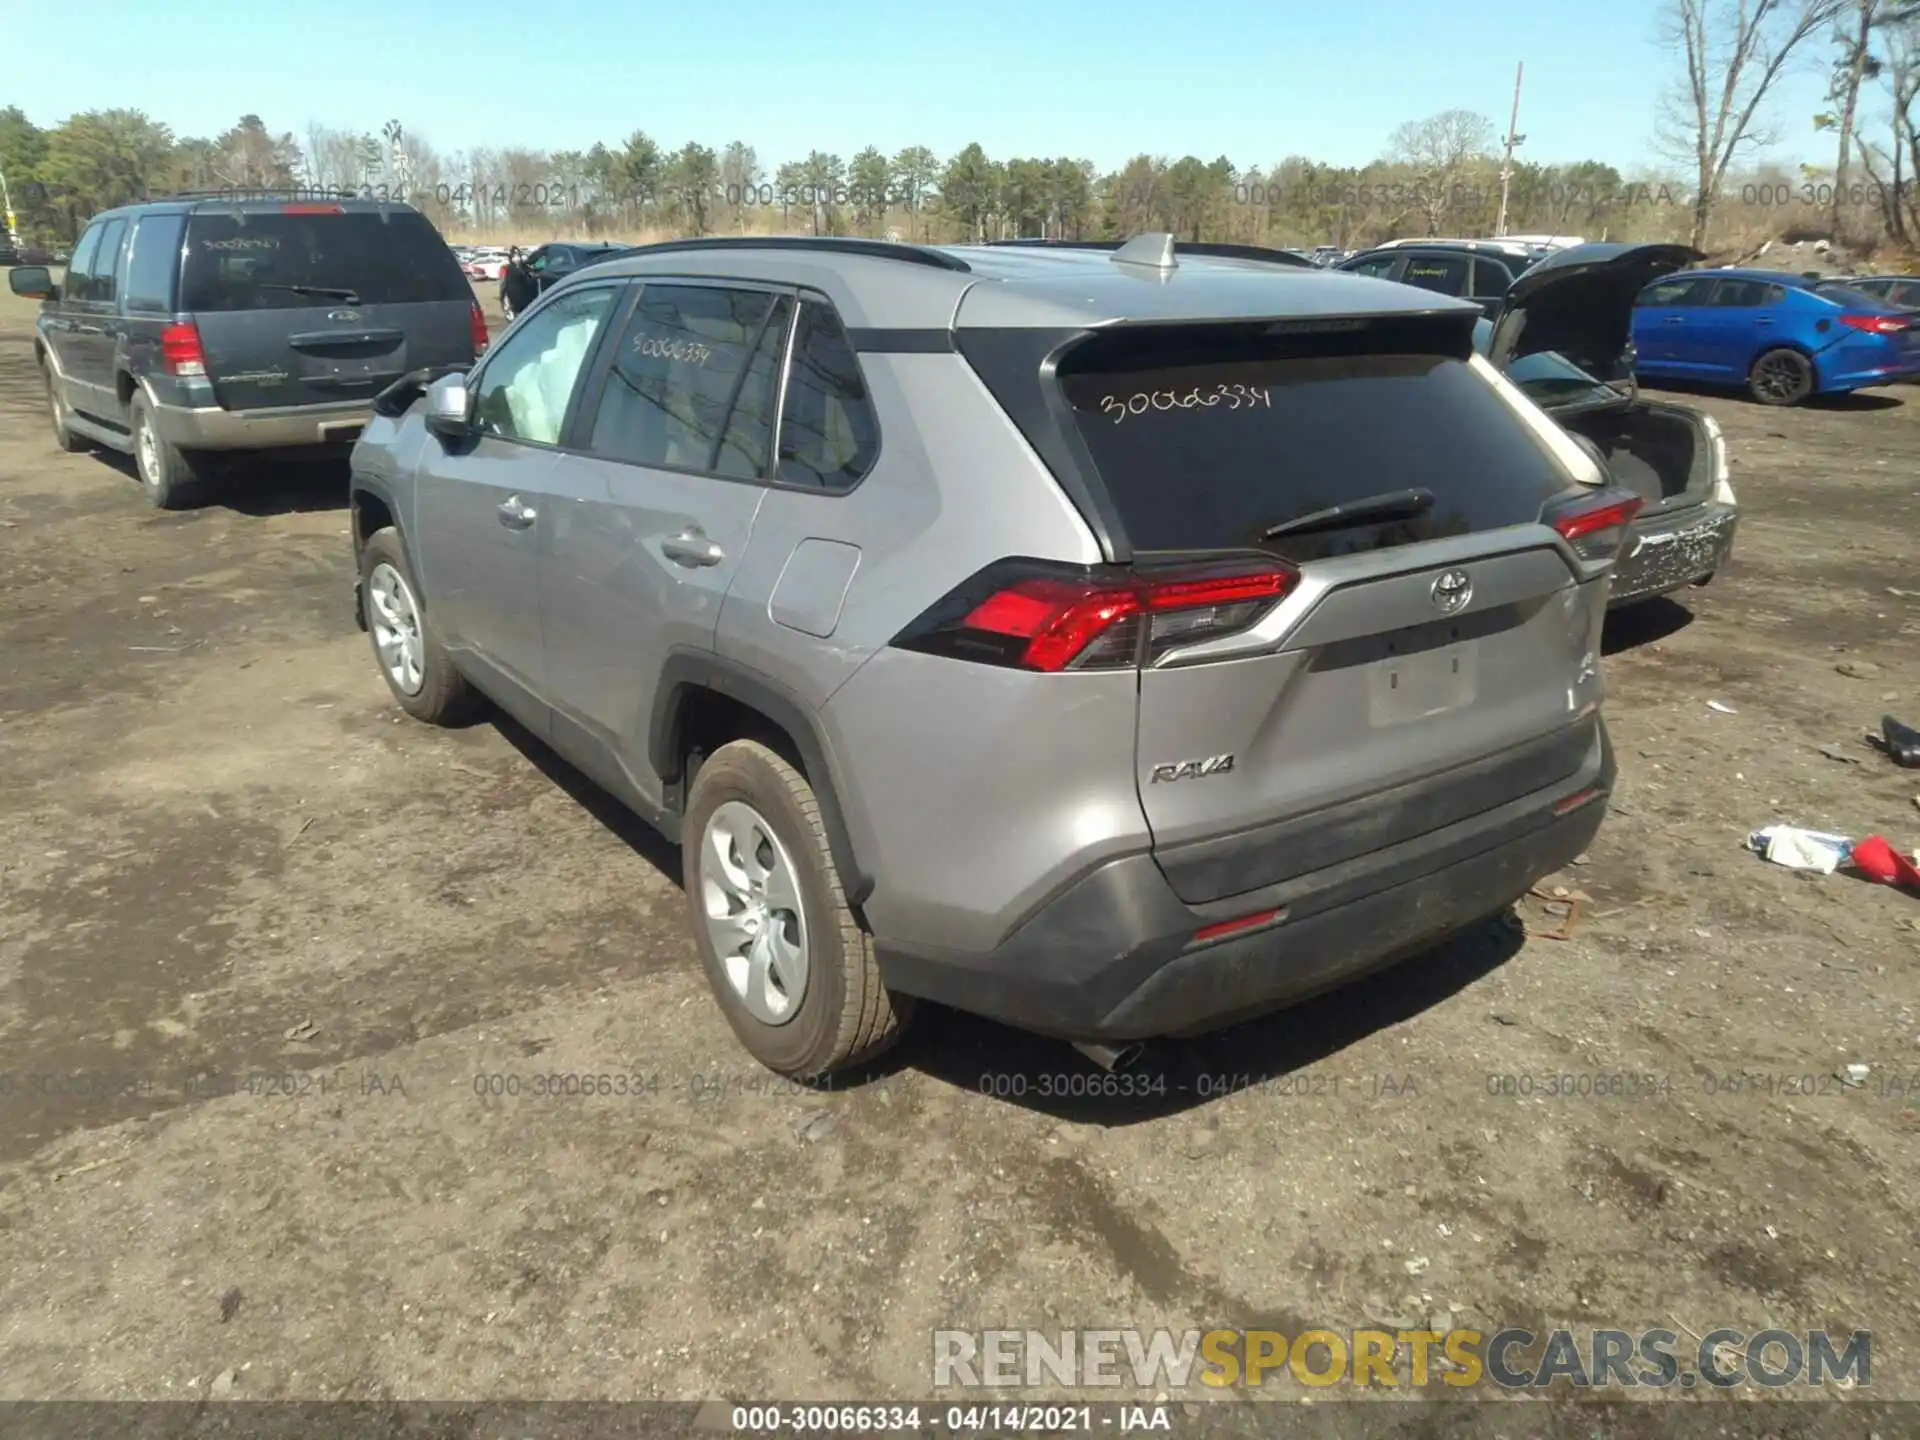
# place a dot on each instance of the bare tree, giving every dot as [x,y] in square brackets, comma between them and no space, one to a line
[1735,52]
[1441,150]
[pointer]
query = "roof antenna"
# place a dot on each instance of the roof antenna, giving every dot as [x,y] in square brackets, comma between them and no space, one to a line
[1151,251]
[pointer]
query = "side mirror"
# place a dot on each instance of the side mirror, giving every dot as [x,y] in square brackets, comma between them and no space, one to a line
[449,410]
[33,281]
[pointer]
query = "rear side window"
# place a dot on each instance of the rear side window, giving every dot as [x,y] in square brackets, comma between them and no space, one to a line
[691,384]
[275,260]
[1744,294]
[1205,440]
[829,434]
[1491,278]
[1446,274]
[1847,295]
[156,246]
[1905,293]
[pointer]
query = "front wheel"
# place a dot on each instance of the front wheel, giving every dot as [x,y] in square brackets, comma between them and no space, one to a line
[57,412]
[423,680]
[1781,377]
[793,971]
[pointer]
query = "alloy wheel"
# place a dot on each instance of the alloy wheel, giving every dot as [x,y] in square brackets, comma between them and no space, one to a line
[756,919]
[395,620]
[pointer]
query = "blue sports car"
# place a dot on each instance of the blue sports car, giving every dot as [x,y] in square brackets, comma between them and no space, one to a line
[1780,337]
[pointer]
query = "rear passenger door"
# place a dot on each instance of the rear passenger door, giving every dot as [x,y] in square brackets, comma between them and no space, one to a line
[1731,329]
[653,503]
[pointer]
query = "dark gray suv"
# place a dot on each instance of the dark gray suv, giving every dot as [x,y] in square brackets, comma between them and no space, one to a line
[1117,643]
[232,323]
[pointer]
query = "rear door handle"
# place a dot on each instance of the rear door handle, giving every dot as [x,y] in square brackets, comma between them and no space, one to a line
[1676,320]
[1763,321]
[516,514]
[692,549]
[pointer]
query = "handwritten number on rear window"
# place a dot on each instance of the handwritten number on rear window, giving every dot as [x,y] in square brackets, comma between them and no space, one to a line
[1141,401]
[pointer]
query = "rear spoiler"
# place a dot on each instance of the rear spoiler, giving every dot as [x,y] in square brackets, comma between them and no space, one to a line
[398,397]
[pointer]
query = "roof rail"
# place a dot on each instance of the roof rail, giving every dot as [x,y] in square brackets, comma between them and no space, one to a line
[1216,249]
[263,192]
[837,244]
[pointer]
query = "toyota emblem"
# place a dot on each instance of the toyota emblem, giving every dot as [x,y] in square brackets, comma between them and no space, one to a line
[1451,591]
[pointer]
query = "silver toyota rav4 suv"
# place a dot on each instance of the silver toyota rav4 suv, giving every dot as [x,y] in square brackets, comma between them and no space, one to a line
[1115,642]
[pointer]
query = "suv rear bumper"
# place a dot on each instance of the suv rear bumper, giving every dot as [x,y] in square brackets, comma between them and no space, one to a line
[208,427]
[1111,958]
[1674,550]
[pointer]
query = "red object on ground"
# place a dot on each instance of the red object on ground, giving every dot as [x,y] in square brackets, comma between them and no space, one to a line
[1877,860]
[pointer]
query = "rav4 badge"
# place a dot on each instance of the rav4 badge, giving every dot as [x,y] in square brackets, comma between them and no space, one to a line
[1192,769]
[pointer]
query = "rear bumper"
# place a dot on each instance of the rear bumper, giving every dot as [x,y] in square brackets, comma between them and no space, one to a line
[1111,958]
[1671,551]
[208,427]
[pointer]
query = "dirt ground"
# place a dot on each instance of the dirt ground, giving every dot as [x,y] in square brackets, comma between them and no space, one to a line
[263,943]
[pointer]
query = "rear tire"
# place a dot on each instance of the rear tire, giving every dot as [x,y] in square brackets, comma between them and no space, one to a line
[64,438]
[172,479]
[423,680]
[793,971]
[1781,377]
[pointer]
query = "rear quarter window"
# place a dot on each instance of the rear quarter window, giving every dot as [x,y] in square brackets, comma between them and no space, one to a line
[1204,443]
[273,260]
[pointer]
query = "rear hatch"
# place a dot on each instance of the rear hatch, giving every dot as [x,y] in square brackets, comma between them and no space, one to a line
[1434,657]
[321,304]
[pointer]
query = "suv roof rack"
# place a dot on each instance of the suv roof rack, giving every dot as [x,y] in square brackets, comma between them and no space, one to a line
[838,244]
[266,192]
[1221,250]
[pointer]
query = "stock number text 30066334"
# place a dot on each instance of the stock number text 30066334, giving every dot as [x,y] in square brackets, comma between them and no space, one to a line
[1234,397]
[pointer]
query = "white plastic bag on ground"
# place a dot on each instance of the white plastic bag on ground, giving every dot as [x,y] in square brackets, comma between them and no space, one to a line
[1799,849]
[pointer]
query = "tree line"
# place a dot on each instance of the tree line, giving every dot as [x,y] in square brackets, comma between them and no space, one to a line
[1445,174]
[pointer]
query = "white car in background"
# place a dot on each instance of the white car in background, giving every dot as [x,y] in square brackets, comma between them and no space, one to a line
[488,264]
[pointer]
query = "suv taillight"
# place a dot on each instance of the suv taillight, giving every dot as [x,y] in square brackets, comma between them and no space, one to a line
[1874,324]
[1597,525]
[477,324]
[180,352]
[1050,619]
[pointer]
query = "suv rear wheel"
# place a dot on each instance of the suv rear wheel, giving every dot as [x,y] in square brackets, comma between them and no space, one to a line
[793,971]
[57,412]
[1781,377]
[172,480]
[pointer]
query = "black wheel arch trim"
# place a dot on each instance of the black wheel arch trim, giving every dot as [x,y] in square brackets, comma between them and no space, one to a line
[689,670]
[379,491]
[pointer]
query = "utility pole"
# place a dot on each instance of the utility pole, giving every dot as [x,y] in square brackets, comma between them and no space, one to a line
[1514,138]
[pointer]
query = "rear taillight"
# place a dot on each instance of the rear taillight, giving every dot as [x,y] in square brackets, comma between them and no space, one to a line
[477,324]
[1874,324]
[180,352]
[1596,526]
[1084,621]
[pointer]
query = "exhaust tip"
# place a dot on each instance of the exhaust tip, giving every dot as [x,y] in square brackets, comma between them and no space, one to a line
[1108,1057]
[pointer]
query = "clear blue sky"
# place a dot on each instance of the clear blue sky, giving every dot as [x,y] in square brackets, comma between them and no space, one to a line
[1253,79]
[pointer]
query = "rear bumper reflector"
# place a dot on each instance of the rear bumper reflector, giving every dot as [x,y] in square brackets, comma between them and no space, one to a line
[1207,934]
[1576,800]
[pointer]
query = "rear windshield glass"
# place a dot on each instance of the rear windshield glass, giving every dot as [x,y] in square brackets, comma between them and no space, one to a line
[276,261]
[1847,295]
[1205,443]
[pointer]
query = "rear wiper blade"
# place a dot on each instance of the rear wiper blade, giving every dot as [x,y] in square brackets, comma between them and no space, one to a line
[1387,505]
[352,297]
